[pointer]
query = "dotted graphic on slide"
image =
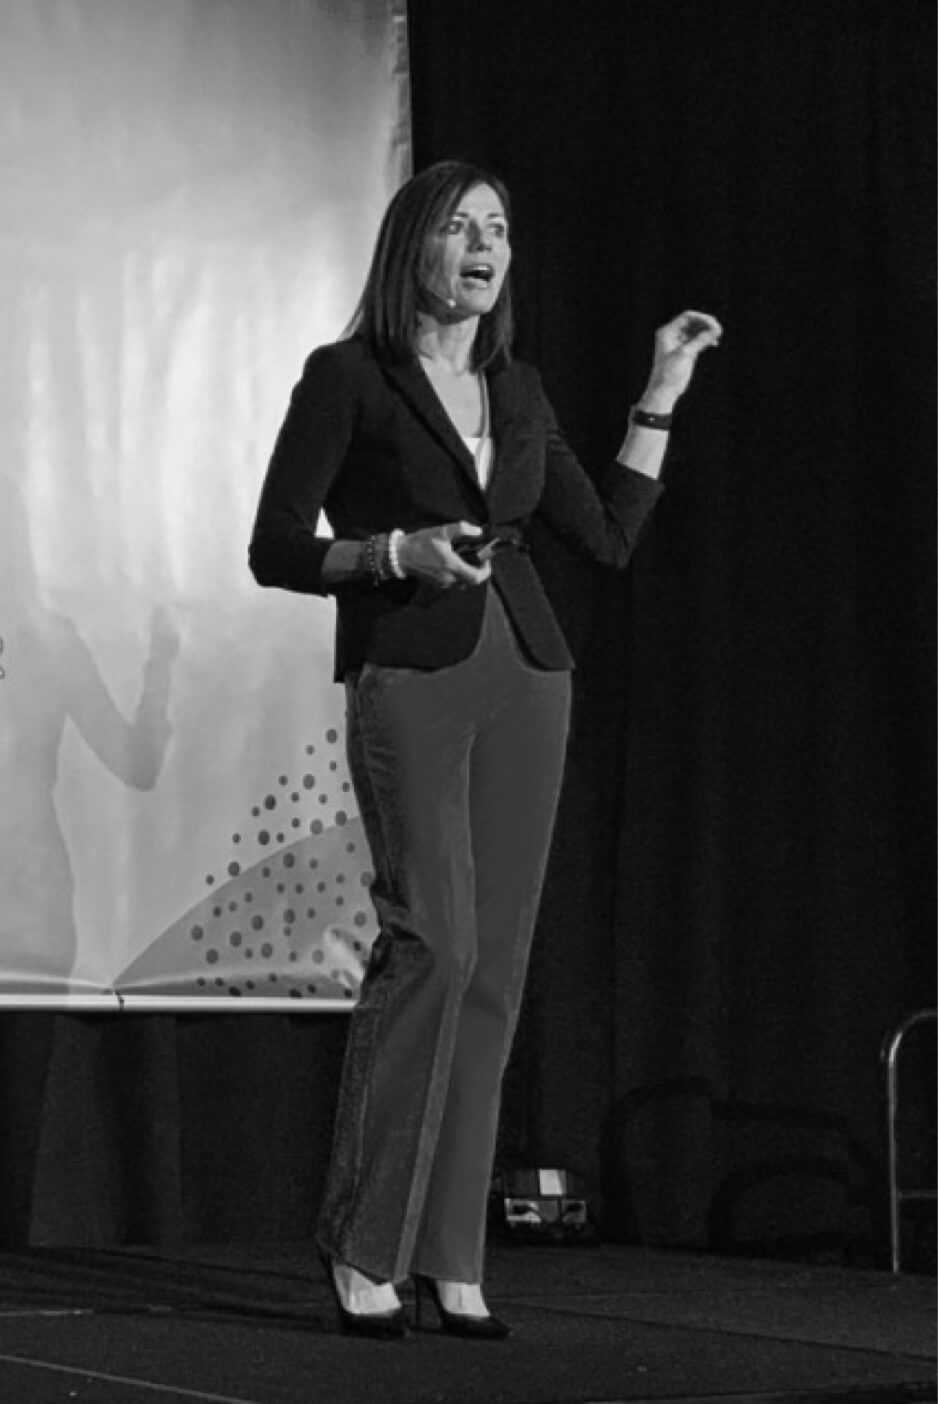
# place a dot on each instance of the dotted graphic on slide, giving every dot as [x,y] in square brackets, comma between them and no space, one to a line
[287,912]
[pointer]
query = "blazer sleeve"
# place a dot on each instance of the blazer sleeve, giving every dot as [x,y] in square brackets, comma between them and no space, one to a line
[308,455]
[602,522]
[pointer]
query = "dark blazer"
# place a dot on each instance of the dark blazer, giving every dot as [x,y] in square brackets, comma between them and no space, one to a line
[371,445]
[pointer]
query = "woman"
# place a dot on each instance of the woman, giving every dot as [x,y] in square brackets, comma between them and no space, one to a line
[430,451]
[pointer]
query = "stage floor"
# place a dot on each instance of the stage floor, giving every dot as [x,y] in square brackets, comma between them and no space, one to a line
[254,1325]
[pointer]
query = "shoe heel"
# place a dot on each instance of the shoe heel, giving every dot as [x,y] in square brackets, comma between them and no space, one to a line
[478,1328]
[425,1291]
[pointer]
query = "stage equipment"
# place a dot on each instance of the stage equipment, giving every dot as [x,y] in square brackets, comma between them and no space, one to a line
[541,1206]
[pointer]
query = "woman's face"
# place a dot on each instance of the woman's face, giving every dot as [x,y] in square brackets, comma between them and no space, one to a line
[470,254]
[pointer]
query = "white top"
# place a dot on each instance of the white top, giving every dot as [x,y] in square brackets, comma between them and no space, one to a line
[481,448]
[481,445]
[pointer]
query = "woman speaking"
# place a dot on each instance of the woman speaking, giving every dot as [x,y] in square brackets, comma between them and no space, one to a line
[431,451]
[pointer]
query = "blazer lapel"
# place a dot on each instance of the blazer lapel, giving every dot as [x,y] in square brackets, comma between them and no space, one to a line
[503,409]
[412,382]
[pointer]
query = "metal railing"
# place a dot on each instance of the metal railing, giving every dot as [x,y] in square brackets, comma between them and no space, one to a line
[898,1193]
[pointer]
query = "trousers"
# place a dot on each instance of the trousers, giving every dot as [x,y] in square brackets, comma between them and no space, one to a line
[457,774]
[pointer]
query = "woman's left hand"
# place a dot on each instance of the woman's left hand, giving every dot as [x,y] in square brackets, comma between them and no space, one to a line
[677,345]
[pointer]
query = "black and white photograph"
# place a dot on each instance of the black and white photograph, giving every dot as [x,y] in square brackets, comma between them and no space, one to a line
[468,702]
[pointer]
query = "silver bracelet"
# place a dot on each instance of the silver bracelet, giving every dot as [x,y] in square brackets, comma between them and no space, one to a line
[394,554]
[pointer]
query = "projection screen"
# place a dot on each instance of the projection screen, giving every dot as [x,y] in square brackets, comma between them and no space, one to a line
[191,193]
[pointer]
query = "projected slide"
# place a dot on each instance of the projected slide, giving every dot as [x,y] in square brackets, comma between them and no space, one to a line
[191,193]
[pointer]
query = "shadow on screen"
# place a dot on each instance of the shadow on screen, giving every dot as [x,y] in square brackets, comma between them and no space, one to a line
[48,676]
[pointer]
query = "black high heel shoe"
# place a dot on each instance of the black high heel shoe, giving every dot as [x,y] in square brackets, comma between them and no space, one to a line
[457,1323]
[378,1325]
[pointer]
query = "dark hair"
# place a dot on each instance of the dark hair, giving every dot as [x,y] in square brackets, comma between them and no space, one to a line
[386,316]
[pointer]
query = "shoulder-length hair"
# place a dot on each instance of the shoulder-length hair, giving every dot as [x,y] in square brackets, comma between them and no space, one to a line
[395,289]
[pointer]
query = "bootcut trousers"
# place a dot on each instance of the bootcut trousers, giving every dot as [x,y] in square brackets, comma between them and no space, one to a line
[457,773]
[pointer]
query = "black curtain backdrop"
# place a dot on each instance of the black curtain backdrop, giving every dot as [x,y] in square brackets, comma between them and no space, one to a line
[741,894]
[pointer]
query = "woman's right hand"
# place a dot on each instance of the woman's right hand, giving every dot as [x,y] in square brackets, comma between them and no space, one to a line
[428,555]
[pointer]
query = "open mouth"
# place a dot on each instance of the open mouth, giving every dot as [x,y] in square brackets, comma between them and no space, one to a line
[480,275]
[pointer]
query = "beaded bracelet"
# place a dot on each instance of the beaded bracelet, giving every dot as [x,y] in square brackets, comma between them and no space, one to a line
[374,550]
